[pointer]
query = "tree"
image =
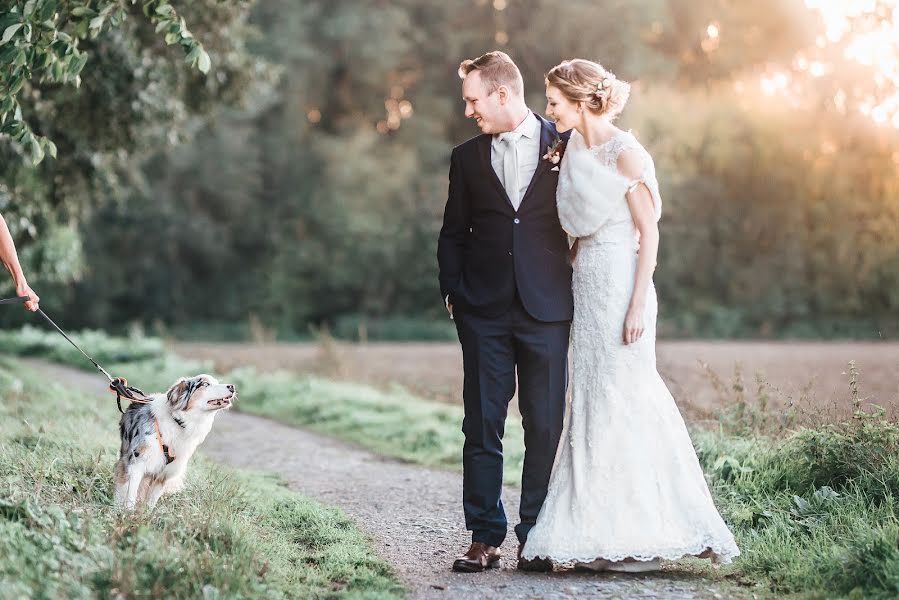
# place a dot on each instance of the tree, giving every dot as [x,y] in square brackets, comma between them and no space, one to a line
[40,42]
[107,115]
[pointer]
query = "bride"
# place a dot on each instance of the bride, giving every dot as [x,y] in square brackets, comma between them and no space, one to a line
[626,488]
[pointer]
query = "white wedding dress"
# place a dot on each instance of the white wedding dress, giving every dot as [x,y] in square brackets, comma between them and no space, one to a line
[626,480]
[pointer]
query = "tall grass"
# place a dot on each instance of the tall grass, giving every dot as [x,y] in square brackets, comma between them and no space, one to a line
[813,496]
[228,535]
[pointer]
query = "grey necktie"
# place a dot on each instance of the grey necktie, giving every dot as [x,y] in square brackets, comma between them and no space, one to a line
[510,166]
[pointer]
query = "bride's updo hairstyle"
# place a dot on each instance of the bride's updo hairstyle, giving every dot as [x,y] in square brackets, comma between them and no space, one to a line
[586,81]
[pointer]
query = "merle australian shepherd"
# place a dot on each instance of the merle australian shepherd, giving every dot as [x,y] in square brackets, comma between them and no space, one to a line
[159,438]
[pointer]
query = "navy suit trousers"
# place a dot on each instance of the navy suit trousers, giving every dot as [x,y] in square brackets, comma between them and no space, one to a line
[492,349]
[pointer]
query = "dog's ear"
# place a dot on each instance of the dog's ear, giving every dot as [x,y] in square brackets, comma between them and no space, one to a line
[179,393]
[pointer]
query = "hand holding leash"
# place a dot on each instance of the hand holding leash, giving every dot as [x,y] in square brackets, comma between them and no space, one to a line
[119,385]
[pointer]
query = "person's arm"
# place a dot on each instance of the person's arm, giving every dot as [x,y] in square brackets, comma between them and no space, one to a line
[640,202]
[453,234]
[10,260]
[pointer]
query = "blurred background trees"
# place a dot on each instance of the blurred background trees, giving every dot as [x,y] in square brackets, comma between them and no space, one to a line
[302,181]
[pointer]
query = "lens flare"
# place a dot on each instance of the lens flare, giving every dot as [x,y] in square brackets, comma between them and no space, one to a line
[866,34]
[857,50]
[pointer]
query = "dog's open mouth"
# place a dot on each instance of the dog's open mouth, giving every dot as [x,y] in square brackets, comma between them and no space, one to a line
[226,401]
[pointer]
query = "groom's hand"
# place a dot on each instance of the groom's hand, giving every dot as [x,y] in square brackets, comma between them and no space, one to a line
[449,307]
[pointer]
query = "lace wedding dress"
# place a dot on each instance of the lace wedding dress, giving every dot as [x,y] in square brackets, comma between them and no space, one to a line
[626,481]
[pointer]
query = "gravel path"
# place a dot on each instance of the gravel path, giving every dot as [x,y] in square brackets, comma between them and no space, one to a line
[413,514]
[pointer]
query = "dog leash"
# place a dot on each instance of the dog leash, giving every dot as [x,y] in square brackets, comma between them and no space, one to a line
[117,384]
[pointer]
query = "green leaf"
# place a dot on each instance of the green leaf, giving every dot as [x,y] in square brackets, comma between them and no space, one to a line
[37,152]
[78,64]
[10,128]
[163,23]
[10,31]
[20,59]
[97,22]
[48,9]
[83,11]
[8,19]
[51,147]
[56,71]
[7,54]
[15,84]
[164,9]
[193,54]
[203,62]
[29,8]
[6,104]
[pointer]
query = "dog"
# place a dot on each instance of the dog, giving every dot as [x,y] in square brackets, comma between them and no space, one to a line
[159,437]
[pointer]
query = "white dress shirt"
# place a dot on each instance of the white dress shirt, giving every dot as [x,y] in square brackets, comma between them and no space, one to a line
[527,148]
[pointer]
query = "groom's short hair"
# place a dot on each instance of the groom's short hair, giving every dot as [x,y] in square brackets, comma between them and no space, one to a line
[496,69]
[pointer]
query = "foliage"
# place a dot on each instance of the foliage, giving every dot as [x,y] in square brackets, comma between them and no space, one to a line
[319,200]
[817,510]
[132,97]
[47,343]
[40,40]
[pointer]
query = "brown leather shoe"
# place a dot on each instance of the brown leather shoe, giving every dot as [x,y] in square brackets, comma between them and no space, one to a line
[539,565]
[478,558]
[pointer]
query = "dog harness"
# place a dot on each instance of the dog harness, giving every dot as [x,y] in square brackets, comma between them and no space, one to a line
[169,455]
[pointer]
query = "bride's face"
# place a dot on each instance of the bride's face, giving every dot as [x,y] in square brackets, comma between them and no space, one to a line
[560,109]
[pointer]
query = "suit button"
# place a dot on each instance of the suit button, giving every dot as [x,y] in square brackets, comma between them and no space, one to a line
[516,221]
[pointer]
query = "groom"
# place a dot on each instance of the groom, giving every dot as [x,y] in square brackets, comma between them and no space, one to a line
[505,278]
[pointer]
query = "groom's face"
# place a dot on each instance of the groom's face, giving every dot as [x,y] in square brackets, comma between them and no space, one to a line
[486,109]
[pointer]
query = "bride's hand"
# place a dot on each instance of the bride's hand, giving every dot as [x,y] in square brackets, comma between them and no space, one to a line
[633,325]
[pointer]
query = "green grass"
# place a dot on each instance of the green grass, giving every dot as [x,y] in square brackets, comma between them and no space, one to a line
[815,510]
[47,343]
[228,535]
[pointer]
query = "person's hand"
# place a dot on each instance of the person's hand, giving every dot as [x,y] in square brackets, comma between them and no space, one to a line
[449,309]
[23,289]
[633,325]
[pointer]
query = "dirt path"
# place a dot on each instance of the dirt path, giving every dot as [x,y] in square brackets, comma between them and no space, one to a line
[413,514]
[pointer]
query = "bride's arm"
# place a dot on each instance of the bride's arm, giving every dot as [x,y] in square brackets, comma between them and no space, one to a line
[639,200]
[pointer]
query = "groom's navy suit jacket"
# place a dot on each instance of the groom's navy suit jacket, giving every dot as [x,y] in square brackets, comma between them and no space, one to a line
[488,252]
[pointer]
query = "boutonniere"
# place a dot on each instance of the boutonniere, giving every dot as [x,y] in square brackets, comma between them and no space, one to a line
[554,152]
